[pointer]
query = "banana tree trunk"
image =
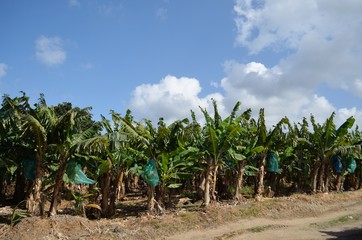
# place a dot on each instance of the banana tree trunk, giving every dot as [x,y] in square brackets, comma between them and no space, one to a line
[20,186]
[58,183]
[208,179]
[35,203]
[160,194]
[351,182]
[112,197]
[105,185]
[314,176]
[339,182]
[273,181]
[105,179]
[321,181]
[214,181]
[131,182]
[327,176]
[239,180]
[358,178]
[260,180]
[151,199]
[121,191]
[2,187]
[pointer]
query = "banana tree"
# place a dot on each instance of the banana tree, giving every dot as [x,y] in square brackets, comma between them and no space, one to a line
[175,160]
[219,136]
[13,146]
[265,141]
[174,167]
[300,136]
[238,155]
[356,140]
[36,125]
[143,137]
[159,145]
[32,128]
[326,140]
[65,136]
[111,155]
[243,160]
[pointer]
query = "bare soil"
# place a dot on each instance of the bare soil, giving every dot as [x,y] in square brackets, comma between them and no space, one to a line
[300,216]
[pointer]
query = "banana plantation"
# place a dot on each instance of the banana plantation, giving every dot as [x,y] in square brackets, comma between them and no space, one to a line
[50,154]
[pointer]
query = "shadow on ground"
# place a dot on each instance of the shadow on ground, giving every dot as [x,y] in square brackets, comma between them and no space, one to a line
[350,234]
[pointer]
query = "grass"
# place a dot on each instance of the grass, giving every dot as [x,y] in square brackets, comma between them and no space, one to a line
[258,229]
[247,192]
[342,219]
[230,234]
[239,232]
[257,208]
[189,217]
[250,212]
[336,221]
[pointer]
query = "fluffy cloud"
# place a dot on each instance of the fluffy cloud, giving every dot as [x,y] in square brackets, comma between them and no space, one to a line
[263,23]
[49,50]
[3,70]
[317,47]
[323,48]
[257,86]
[289,23]
[172,98]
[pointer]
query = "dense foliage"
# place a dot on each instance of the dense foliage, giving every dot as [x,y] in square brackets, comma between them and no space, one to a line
[42,147]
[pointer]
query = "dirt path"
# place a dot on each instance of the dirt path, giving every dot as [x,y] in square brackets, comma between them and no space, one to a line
[300,217]
[343,224]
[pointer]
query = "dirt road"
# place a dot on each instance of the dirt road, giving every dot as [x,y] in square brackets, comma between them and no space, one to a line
[345,223]
[297,217]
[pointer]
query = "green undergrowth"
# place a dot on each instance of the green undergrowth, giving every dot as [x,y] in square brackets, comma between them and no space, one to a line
[336,221]
[256,209]
[242,231]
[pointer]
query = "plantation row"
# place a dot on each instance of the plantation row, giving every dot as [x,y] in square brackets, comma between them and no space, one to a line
[47,151]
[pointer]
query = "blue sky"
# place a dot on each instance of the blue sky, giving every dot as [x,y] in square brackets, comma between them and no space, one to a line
[161,58]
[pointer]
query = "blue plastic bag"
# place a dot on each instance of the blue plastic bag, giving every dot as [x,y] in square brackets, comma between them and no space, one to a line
[29,168]
[76,175]
[150,174]
[272,162]
[351,165]
[337,164]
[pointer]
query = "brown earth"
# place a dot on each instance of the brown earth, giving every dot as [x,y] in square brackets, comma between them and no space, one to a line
[300,216]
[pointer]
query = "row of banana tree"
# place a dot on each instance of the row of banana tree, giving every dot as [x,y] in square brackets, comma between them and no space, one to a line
[214,160]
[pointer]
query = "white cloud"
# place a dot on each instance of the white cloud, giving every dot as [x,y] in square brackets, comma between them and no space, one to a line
[3,70]
[252,77]
[317,46]
[283,22]
[49,50]
[259,87]
[323,48]
[172,98]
